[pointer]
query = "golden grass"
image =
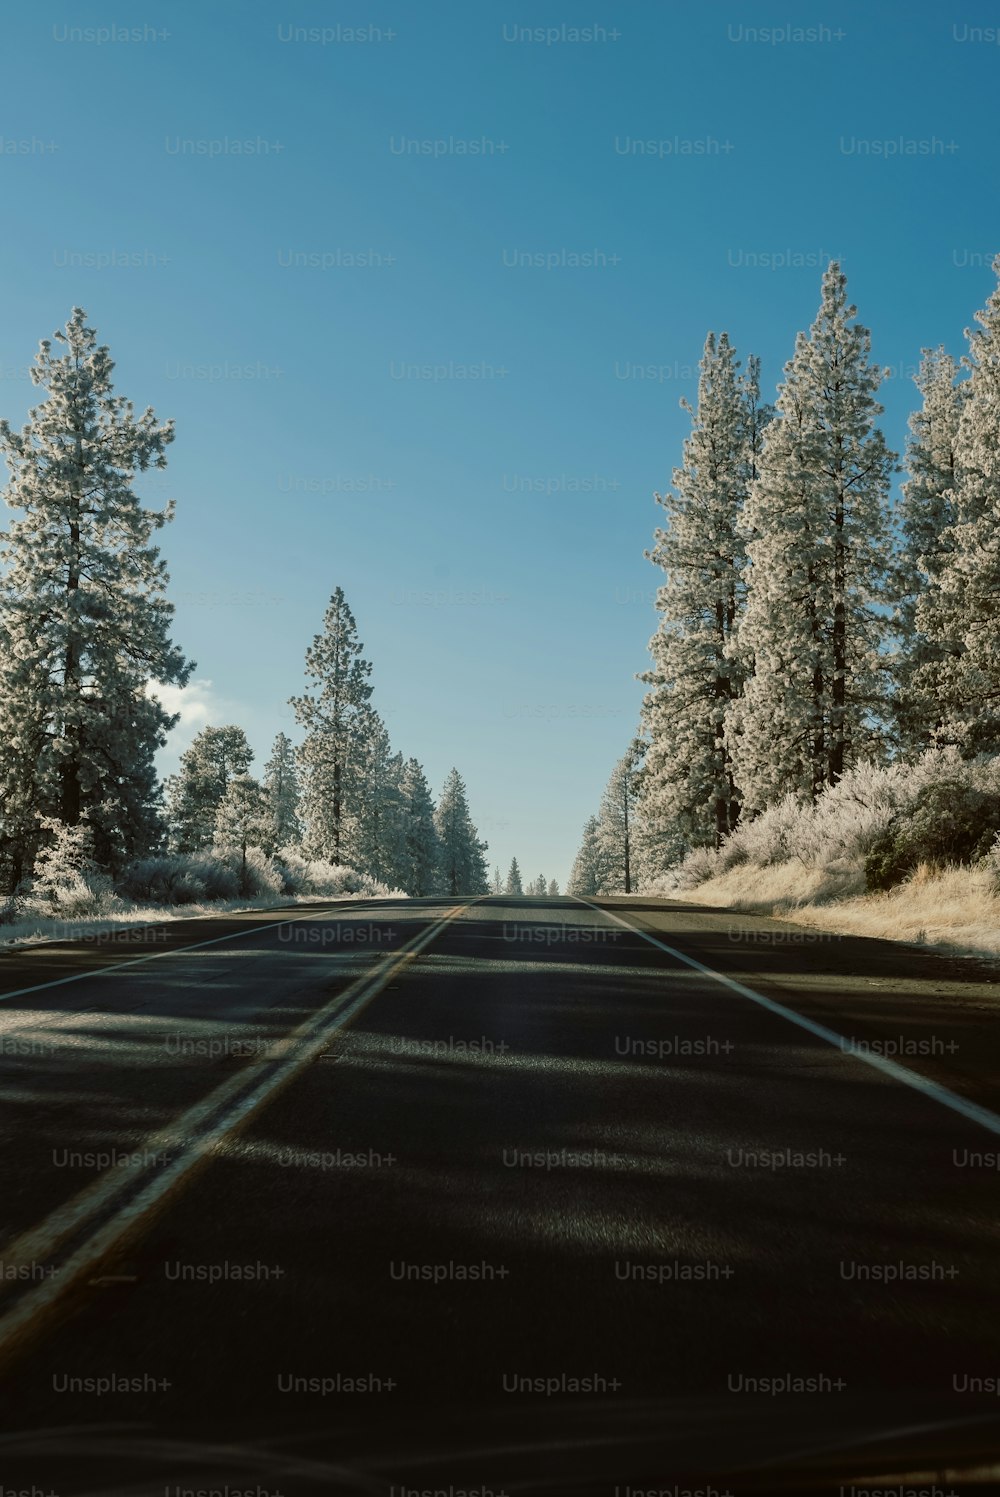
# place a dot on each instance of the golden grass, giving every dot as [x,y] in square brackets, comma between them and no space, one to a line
[949,909]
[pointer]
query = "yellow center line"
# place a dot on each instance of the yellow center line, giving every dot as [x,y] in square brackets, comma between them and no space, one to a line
[191,1141]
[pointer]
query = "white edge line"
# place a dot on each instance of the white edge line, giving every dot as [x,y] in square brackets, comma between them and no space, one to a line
[971,1110]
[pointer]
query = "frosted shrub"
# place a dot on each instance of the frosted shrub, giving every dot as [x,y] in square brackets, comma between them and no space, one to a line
[771,837]
[257,876]
[213,872]
[65,881]
[700,864]
[162,880]
[949,822]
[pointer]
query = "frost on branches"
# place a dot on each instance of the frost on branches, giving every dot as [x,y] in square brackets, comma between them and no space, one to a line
[688,782]
[818,529]
[84,623]
[960,611]
[463,867]
[337,721]
[926,514]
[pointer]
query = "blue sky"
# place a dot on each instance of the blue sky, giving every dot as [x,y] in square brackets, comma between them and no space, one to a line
[389,368]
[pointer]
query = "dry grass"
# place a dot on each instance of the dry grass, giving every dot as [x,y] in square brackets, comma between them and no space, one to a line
[954,910]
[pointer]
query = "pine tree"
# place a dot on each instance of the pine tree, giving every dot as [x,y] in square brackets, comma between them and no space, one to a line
[513,884]
[688,785]
[422,850]
[959,613]
[281,789]
[216,756]
[83,617]
[242,820]
[463,862]
[553,889]
[496,883]
[617,824]
[818,525]
[337,721]
[374,834]
[587,874]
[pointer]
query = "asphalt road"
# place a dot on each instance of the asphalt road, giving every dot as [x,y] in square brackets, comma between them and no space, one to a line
[497,1196]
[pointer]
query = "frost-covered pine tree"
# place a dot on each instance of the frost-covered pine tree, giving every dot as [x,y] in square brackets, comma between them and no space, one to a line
[689,789]
[216,756]
[537,887]
[959,612]
[84,621]
[281,789]
[496,882]
[617,824]
[587,873]
[242,820]
[337,720]
[553,888]
[513,884]
[463,856]
[374,836]
[818,527]
[422,852]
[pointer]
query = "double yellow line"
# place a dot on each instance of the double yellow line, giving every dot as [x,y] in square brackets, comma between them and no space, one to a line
[119,1203]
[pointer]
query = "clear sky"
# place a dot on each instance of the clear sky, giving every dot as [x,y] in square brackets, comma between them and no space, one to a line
[391,362]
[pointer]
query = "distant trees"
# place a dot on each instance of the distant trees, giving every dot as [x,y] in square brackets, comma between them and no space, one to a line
[513,884]
[84,622]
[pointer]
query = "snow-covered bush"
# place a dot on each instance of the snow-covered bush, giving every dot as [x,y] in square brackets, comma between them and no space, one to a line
[700,864]
[65,881]
[949,822]
[257,876]
[165,880]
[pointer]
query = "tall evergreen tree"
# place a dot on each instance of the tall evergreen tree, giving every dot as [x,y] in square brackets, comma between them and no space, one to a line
[463,860]
[420,839]
[688,785]
[84,622]
[959,612]
[553,888]
[281,790]
[215,758]
[617,824]
[337,721]
[817,519]
[513,884]
[375,835]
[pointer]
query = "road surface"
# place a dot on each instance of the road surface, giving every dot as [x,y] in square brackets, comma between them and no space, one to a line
[497,1195]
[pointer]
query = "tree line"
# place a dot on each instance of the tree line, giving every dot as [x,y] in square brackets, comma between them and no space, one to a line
[85,643]
[807,623]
